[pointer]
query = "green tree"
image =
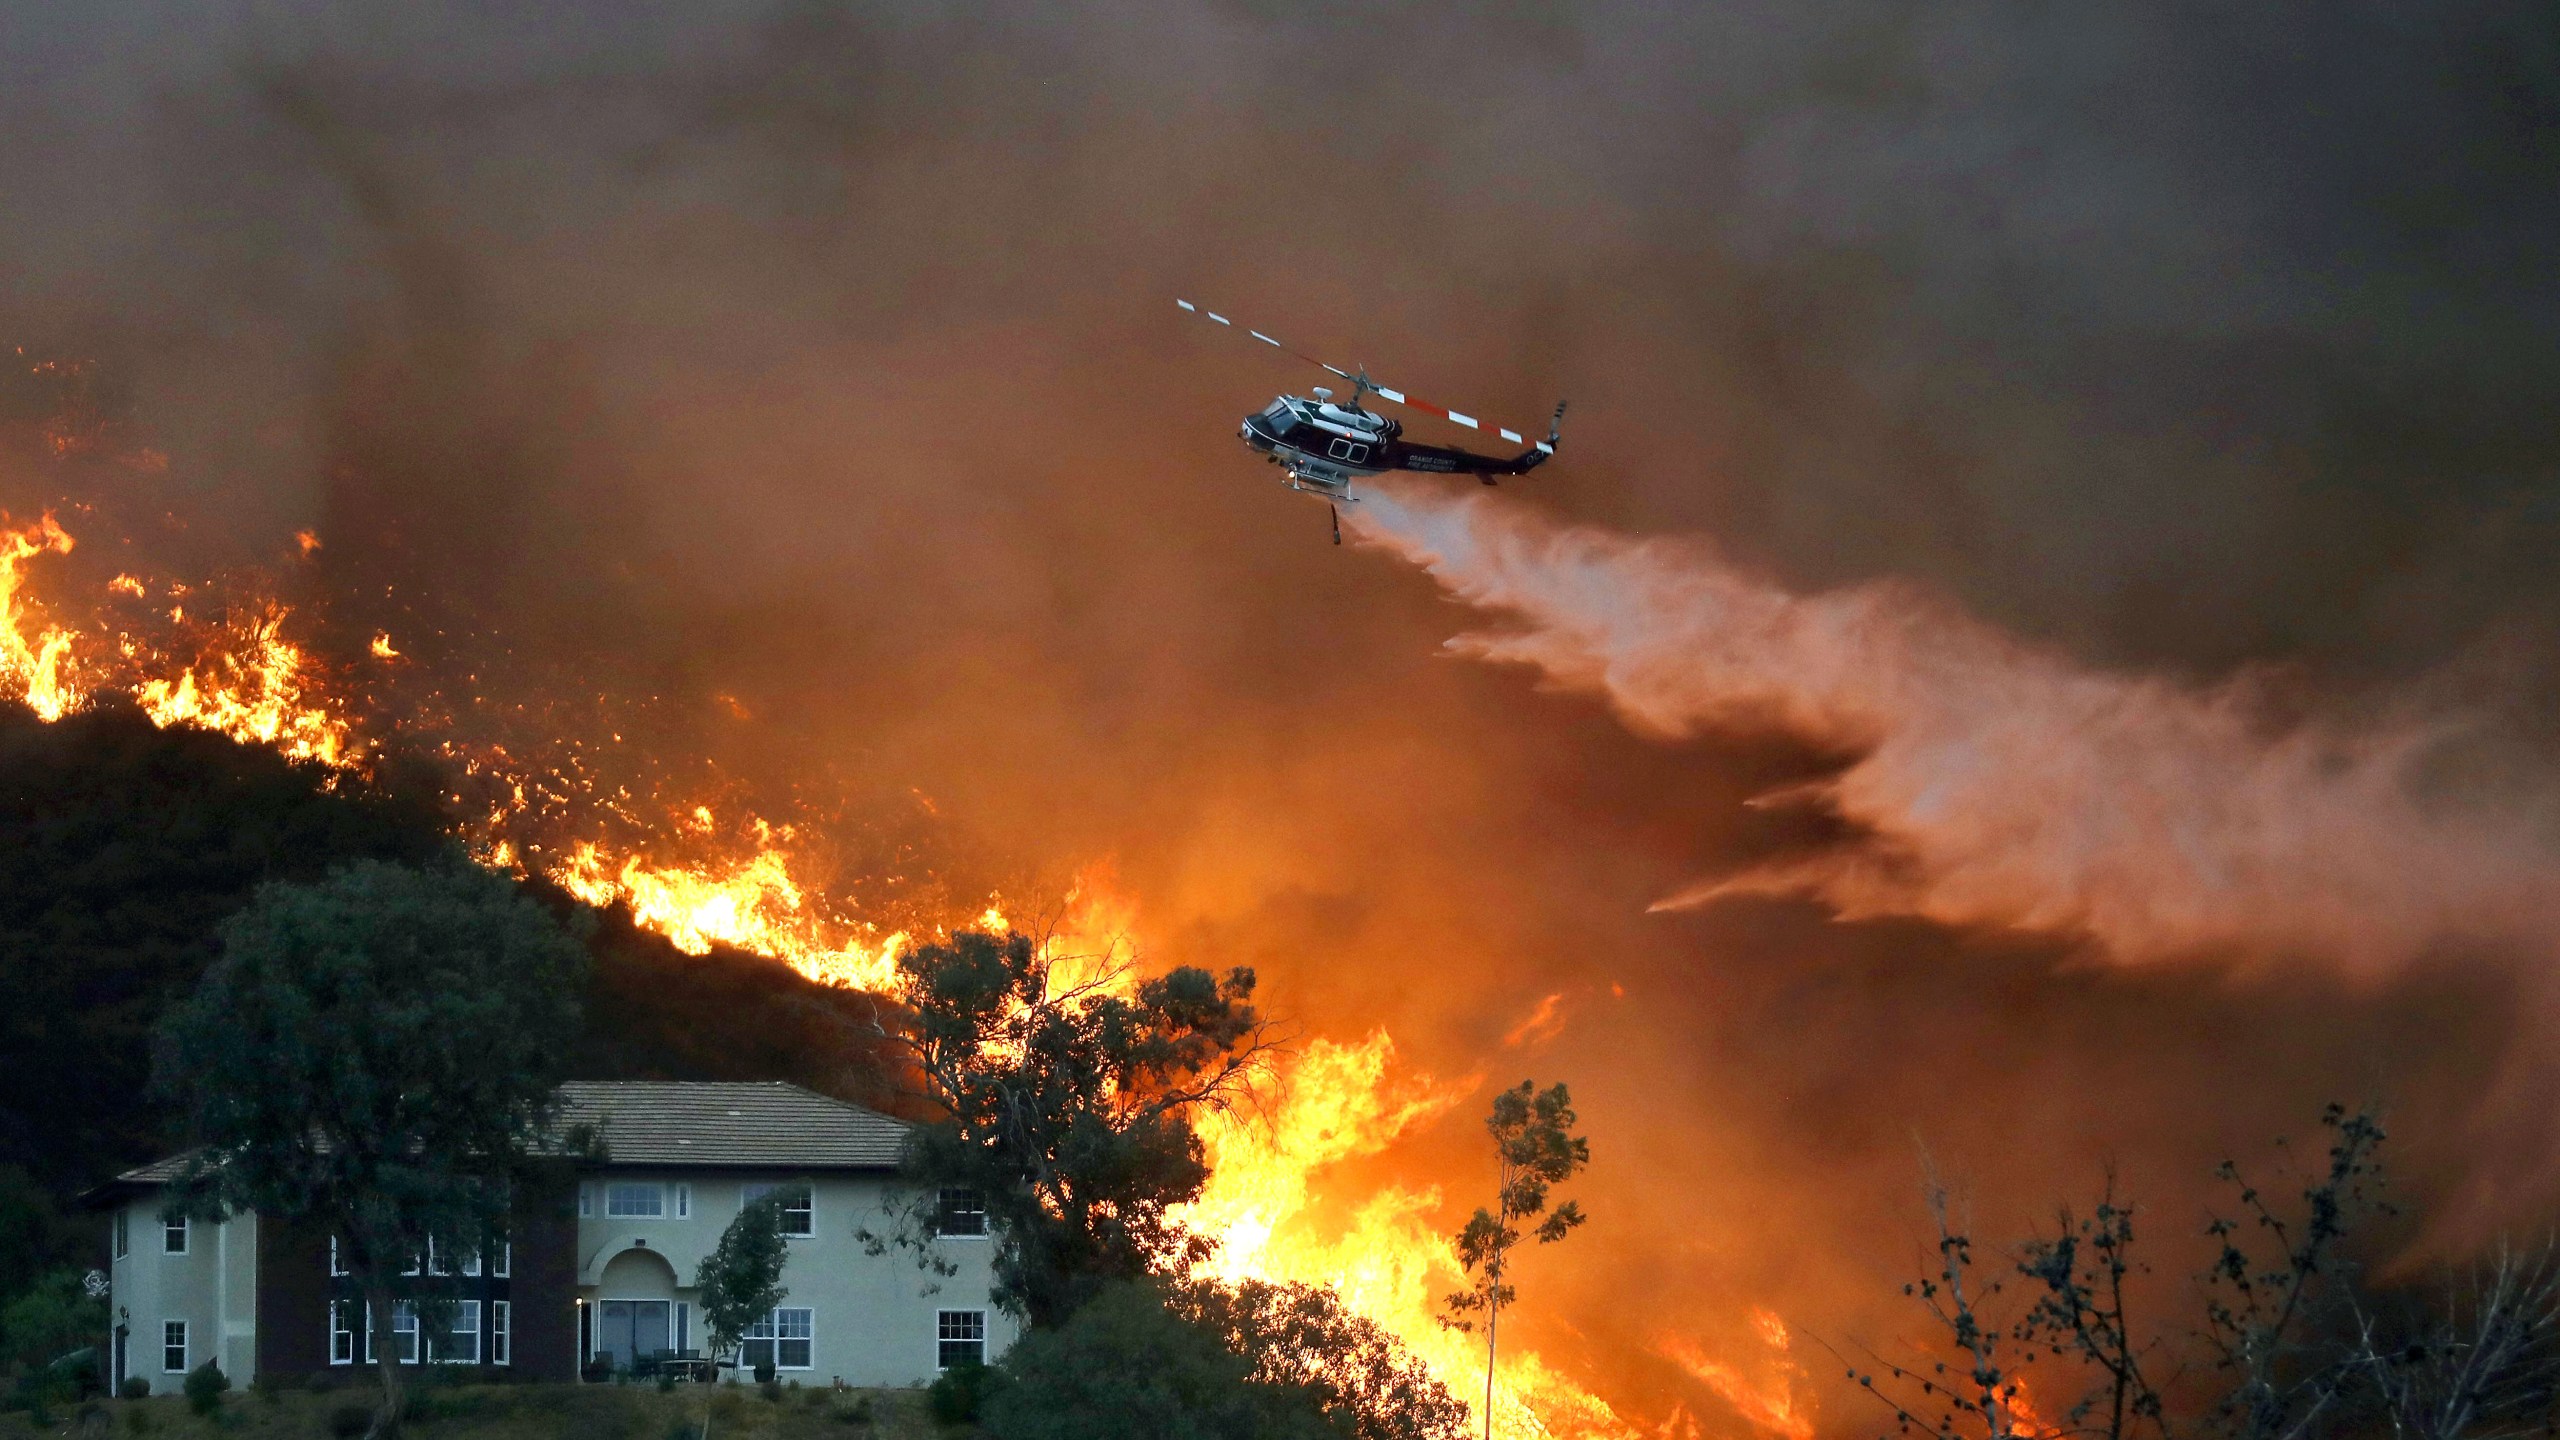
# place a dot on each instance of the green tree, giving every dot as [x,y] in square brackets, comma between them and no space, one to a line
[1068,1109]
[741,1279]
[1302,1339]
[50,1318]
[1126,1365]
[1534,1150]
[375,1055]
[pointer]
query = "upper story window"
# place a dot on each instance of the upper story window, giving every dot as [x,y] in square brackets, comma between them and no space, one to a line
[337,1261]
[960,1213]
[173,1236]
[627,1199]
[799,1209]
[123,1233]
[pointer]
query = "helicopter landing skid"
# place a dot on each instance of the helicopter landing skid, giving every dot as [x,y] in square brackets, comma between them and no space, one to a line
[1339,494]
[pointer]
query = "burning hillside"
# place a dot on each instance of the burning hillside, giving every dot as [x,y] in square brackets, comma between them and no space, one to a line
[226,655]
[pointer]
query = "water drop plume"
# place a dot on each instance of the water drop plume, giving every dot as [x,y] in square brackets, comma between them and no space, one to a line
[2000,782]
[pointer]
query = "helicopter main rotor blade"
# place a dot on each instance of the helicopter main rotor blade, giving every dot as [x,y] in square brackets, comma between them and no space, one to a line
[1267,340]
[1452,416]
[1456,418]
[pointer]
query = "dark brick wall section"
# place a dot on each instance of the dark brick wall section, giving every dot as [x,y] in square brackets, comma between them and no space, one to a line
[293,1299]
[294,1290]
[546,1295]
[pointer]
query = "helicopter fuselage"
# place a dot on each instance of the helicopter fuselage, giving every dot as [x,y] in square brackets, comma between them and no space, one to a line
[1323,447]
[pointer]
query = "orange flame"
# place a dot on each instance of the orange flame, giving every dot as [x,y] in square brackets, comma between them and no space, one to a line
[1337,1101]
[37,670]
[1770,1405]
[255,690]
[754,903]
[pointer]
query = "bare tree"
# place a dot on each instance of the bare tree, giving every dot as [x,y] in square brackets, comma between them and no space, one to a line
[2483,1363]
[2277,1356]
[2266,1305]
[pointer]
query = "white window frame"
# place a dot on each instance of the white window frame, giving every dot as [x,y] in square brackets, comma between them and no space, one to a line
[750,1193]
[503,1264]
[337,1262]
[342,1334]
[942,1320]
[940,1208]
[178,1328]
[682,1197]
[657,1193]
[123,1233]
[404,1329]
[455,1332]
[183,1228]
[587,1201]
[768,1331]
[501,1338]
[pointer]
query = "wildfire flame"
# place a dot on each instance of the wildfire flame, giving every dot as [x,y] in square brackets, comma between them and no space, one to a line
[243,675]
[36,668]
[754,903]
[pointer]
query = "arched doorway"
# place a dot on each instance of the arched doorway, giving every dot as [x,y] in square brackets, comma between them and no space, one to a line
[637,1315]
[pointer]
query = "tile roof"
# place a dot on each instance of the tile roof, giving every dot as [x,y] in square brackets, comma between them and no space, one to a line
[158,1172]
[751,1123]
[761,1124]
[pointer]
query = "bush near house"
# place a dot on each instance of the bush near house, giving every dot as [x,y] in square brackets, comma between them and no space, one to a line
[535,1412]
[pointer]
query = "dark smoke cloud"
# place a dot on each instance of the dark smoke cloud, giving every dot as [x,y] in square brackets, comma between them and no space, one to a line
[822,357]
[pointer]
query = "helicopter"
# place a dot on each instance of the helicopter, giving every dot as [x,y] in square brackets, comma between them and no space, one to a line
[1323,447]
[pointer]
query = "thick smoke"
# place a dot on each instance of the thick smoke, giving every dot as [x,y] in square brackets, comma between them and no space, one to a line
[803,379]
[2000,783]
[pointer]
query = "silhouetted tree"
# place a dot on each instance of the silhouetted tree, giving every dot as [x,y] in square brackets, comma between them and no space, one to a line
[1534,1149]
[1302,1337]
[2287,1346]
[1067,1110]
[376,1055]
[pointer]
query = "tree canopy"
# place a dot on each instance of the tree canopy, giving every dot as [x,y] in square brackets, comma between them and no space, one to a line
[1068,1109]
[741,1279]
[378,1054]
[1534,1150]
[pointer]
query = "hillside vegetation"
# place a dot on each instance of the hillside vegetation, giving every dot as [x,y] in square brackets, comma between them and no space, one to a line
[123,846]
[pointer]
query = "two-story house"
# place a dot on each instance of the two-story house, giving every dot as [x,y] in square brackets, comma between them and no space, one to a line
[607,1278]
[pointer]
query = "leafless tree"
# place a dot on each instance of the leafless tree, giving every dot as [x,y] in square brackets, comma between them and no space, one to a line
[2482,1363]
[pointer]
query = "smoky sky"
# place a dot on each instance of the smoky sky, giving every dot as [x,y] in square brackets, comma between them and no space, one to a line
[812,371]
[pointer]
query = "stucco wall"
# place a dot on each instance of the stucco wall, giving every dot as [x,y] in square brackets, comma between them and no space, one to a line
[212,1287]
[875,1318]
